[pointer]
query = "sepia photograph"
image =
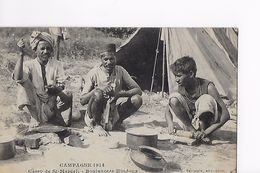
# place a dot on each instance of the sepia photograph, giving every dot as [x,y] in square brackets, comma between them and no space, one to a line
[118,99]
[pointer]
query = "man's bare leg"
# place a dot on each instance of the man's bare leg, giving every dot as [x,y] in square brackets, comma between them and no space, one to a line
[205,120]
[181,114]
[95,106]
[127,108]
[34,120]
[64,106]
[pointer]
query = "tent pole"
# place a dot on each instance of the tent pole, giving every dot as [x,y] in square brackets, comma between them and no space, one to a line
[163,68]
[155,60]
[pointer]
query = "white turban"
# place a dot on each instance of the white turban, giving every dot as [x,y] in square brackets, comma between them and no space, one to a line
[38,36]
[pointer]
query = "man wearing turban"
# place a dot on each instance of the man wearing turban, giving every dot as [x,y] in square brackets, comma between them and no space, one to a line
[41,84]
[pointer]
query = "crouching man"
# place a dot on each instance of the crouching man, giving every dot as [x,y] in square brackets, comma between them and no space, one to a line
[196,104]
[41,83]
[110,93]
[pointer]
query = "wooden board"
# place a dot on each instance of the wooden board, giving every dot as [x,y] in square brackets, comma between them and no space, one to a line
[183,140]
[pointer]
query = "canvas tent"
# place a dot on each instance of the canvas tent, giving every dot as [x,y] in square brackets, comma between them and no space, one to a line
[214,50]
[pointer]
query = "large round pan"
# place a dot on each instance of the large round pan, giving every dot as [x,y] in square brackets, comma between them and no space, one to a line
[148,159]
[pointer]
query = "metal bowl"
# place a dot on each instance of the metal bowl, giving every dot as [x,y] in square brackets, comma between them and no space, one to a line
[141,136]
[7,147]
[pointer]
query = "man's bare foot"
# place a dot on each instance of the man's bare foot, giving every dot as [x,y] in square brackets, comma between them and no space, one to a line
[206,140]
[33,123]
[100,131]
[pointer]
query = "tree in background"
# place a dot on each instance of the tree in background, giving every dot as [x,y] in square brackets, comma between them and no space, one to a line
[117,32]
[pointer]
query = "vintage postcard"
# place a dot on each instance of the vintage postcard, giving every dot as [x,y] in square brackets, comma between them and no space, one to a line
[118,100]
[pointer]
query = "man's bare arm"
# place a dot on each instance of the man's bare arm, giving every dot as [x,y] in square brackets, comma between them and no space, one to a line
[18,70]
[84,99]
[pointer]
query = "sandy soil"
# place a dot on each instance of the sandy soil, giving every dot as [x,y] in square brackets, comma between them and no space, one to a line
[219,157]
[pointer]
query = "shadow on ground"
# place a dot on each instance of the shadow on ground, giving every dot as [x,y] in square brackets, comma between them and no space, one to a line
[225,135]
[172,167]
[22,156]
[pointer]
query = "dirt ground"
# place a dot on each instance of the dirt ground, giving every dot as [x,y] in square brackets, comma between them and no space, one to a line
[220,157]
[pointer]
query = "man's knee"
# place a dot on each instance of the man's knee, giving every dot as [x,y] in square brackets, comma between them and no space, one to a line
[66,97]
[137,101]
[69,96]
[174,102]
[206,103]
[176,105]
[98,96]
[206,98]
[207,108]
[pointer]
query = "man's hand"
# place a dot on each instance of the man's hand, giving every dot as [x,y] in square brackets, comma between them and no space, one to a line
[21,45]
[117,95]
[60,104]
[114,99]
[199,135]
[171,128]
[100,131]
[53,89]
[107,90]
[33,123]
[43,97]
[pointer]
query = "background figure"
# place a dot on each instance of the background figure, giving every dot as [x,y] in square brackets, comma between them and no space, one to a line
[58,34]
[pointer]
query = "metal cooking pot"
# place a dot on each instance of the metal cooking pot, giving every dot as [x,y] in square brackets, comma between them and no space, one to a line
[7,147]
[141,136]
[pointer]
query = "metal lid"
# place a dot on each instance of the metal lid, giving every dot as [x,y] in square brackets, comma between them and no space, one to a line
[148,158]
[6,138]
[142,131]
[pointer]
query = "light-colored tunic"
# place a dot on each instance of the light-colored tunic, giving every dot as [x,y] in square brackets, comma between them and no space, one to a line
[119,78]
[32,85]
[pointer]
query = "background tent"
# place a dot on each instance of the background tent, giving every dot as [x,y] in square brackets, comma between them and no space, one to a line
[214,50]
[137,56]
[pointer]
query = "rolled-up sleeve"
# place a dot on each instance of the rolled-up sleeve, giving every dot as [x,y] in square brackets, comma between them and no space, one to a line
[89,83]
[25,92]
[127,79]
[60,73]
[26,73]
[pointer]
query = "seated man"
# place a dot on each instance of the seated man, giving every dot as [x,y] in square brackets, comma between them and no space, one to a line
[196,104]
[108,103]
[41,84]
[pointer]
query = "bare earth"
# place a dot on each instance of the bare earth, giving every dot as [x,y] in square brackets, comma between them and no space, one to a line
[96,156]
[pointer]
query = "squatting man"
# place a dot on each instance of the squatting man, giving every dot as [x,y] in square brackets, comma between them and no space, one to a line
[41,84]
[195,104]
[110,93]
